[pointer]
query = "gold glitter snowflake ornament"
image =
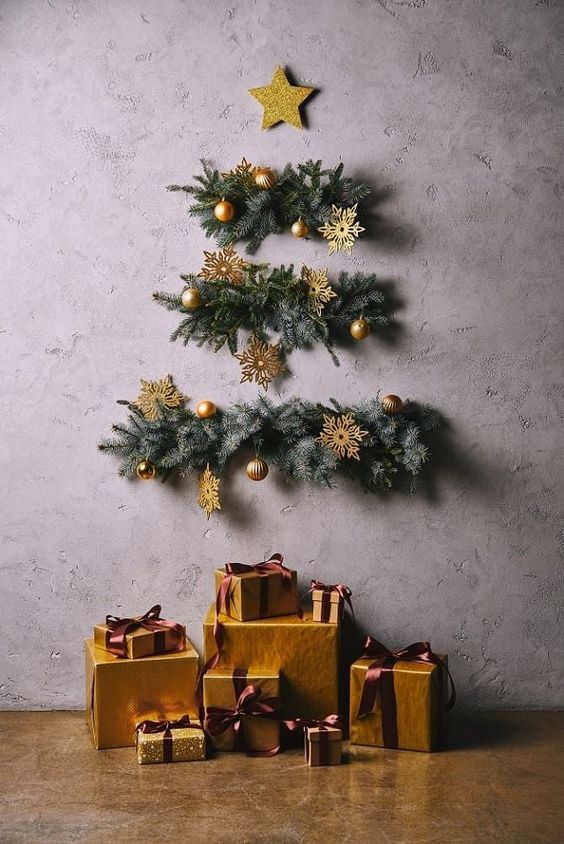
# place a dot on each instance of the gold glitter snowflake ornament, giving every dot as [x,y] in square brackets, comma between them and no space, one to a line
[342,435]
[342,229]
[319,290]
[225,264]
[260,362]
[208,486]
[158,394]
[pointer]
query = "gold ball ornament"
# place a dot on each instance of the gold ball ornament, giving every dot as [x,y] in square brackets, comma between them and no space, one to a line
[224,211]
[265,178]
[205,409]
[191,298]
[257,469]
[391,404]
[146,471]
[300,228]
[359,329]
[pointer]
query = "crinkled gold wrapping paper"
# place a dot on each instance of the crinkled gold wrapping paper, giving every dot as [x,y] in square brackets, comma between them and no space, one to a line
[305,653]
[122,692]
[140,642]
[421,714]
[259,733]
[188,745]
[245,594]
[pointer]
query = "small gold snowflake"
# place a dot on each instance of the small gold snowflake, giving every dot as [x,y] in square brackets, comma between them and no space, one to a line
[342,229]
[224,264]
[156,394]
[208,491]
[260,362]
[342,435]
[319,290]
[243,172]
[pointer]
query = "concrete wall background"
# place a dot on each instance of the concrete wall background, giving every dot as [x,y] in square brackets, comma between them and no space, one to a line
[453,109]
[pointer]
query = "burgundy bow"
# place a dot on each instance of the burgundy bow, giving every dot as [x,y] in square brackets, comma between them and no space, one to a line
[249,704]
[118,628]
[329,722]
[340,588]
[166,728]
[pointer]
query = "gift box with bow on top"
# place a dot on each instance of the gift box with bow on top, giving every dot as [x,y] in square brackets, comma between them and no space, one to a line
[328,602]
[400,699]
[138,636]
[259,590]
[180,740]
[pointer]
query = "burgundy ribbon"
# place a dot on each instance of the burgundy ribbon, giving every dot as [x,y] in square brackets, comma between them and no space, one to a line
[118,629]
[343,591]
[166,728]
[324,725]
[250,704]
[379,677]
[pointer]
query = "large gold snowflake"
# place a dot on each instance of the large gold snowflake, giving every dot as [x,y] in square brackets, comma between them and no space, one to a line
[319,290]
[157,394]
[342,435]
[341,230]
[243,172]
[224,264]
[260,362]
[208,491]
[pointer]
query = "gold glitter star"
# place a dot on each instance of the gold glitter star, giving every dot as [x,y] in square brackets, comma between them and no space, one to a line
[156,394]
[243,172]
[281,101]
[319,290]
[342,435]
[208,491]
[260,362]
[342,229]
[225,264]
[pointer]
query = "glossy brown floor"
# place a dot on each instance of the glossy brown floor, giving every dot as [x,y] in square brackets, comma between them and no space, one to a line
[502,781]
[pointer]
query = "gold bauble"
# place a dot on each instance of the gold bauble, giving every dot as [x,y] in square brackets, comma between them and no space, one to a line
[224,211]
[191,298]
[391,404]
[206,409]
[300,228]
[146,470]
[257,469]
[359,329]
[265,178]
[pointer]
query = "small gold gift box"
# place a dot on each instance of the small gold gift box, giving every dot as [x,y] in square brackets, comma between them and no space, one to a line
[140,636]
[170,741]
[255,592]
[223,691]
[323,746]
[327,606]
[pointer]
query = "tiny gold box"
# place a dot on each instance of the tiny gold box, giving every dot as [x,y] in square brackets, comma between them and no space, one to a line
[323,746]
[178,744]
[327,606]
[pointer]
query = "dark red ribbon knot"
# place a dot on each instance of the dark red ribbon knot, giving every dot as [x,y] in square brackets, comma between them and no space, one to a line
[166,728]
[344,592]
[118,629]
[250,703]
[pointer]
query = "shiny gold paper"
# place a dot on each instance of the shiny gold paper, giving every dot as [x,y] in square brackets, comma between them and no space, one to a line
[334,610]
[421,714]
[139,642]
[259,733]
[122,692]
[305,653]
[245,595]
[312,746]
[188,745]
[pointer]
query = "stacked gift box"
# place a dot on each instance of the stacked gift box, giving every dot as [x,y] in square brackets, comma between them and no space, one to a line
[270,669]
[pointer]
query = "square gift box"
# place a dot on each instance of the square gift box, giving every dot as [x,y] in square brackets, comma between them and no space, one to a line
[323,746]
[223,689]
[327,606]
[258,592]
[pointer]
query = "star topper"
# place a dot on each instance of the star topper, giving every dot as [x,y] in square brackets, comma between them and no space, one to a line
[281,101]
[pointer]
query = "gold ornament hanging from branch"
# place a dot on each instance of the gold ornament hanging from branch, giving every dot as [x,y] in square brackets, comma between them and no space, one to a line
[281,101]
[359,329]
[257,469]
[342,435]
[260,362]
[224,210]
[146,471]
[156,394]
[319,290]
[206,409]
[223,264]
[391,404]
[341,230]
[208,491]
[300,228]
[191,299]
[264,177]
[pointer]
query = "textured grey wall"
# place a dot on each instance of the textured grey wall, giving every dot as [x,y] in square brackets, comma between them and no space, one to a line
[451,109]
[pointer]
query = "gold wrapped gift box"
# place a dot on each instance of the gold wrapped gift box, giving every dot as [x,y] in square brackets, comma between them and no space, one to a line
[141,642]
[305,653]
[323,746]
[222,689]
[326,606]
[420,697]
[254,596]
[187,744]
[122,692]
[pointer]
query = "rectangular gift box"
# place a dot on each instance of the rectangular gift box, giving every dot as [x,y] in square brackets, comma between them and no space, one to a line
[222,689]
[182,744]
[305,654]
[323,746]
[259,596]
[122,692]
[420,691]
[326,606]
[141,642]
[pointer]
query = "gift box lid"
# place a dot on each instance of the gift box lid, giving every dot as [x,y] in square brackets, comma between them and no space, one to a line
[334,597]
[248,574]
[333,733]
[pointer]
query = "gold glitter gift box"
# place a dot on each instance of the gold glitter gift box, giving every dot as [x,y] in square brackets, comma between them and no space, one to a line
[122,692]
[170,741]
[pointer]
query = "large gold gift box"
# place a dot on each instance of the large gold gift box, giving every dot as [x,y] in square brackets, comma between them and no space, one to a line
[222,690]
[122,692]
[187,744]
[142,642]
[254,596]
[420,691]
[305,653]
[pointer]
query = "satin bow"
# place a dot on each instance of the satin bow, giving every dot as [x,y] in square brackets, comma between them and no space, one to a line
[342,590]
[151,620]
[249,704]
